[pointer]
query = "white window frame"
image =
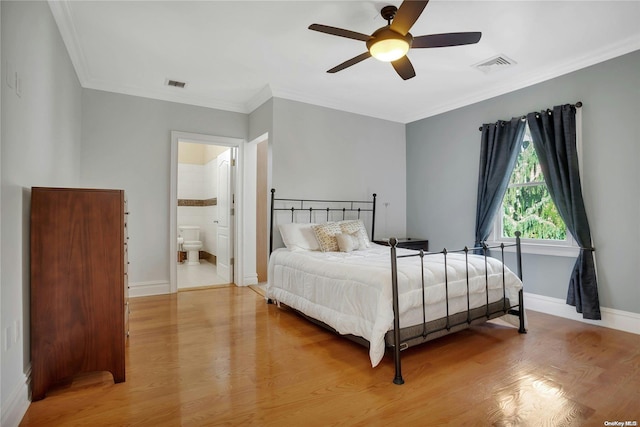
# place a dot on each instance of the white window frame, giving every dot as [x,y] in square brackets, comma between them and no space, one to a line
[568,247]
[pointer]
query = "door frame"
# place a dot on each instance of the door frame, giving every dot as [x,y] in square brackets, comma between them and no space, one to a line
[239,229]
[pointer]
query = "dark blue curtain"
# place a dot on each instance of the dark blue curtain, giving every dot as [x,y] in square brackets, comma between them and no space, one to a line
[499,149]
[554,138]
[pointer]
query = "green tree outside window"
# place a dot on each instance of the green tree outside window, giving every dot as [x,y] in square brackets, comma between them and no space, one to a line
[527,205]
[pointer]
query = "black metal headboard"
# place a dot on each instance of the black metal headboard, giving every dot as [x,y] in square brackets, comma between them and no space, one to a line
[312,205]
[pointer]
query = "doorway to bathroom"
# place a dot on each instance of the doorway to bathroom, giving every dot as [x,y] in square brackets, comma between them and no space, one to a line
[245,232]
[205,214]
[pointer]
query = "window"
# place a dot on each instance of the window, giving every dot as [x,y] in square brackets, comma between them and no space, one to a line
[527,207]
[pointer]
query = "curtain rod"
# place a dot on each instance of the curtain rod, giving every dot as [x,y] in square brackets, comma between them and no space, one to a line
[577,105]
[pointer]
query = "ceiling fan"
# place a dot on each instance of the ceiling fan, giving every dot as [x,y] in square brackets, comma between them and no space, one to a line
[392,42]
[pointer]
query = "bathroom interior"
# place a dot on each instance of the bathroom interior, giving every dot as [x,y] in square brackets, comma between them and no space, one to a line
[197,215]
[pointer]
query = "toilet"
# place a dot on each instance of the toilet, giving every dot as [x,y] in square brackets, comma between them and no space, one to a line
[191,243]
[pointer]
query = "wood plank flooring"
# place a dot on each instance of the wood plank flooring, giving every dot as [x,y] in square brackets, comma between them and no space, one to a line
[222,356]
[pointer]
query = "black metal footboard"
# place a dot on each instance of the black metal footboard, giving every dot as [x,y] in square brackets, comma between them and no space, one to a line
[453,321]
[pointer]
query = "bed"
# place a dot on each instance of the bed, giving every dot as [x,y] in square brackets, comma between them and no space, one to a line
[382,296]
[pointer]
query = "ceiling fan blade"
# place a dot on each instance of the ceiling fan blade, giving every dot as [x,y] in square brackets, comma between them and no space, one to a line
[444,40]
[404,68]
[339,32]
[407,15]
[350,62]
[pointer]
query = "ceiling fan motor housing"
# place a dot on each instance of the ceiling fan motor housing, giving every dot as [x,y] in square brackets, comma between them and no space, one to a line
[386,33]
[392,42]
[388,12]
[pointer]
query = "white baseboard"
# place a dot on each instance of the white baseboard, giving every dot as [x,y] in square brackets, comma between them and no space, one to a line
[251,279]
[14,408]
[144,289]
[611,318]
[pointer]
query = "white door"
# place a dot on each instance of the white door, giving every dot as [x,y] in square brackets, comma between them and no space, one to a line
[224,233]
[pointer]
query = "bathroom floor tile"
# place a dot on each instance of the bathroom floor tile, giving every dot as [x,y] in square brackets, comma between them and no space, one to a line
[193,276]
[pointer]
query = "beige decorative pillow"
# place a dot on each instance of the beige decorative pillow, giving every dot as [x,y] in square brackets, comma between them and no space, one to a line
[326,235]
[357,227]
[348,242]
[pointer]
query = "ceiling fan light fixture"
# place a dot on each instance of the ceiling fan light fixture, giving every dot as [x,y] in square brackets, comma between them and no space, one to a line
[389,50]
[387,46]
[392,42]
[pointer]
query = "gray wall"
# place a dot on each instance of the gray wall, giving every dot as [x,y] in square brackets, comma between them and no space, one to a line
[41,131]
[126,144]
[261,120]
[56,134]
[316,152]
[319,152]
[442,168]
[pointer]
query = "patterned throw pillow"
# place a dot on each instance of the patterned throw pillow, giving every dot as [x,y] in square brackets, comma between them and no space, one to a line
[357,227]
[326,235]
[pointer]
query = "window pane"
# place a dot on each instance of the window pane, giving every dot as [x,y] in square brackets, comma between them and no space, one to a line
[531,211]
[527,167]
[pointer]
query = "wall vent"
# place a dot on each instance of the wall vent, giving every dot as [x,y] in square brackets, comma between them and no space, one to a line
[176,83]
[499,62]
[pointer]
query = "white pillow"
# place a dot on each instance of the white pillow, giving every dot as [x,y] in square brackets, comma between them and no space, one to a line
[349,242]
[299,236]
[356,226]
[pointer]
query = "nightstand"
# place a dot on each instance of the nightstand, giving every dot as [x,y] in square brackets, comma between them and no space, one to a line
[408,243]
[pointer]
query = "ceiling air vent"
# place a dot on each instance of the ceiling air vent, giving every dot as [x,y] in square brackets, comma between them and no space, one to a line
[499,62]
[176,83]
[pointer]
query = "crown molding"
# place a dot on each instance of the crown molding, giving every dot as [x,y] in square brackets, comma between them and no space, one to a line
[623,47]
[62,15]
[163,95]
[262,96]
[332,103]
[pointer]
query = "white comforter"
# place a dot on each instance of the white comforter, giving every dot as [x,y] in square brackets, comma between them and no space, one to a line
[351,292]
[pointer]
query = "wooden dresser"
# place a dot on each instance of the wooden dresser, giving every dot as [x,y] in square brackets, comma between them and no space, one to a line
[79,297]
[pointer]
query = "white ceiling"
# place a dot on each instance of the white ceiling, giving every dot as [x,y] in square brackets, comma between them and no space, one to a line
[234,55]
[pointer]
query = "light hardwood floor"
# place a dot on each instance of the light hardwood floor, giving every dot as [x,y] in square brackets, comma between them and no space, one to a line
[222,356]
